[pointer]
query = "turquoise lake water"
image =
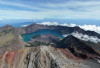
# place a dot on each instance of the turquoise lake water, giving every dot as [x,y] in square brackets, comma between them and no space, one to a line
[27,37]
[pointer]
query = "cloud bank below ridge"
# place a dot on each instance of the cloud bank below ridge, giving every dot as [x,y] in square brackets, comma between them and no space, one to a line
[85,37]
[85,27]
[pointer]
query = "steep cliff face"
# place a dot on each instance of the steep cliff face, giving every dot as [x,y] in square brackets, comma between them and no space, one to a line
[40,57]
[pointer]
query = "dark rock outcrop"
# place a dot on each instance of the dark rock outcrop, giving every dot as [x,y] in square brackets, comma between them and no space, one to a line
[78,47]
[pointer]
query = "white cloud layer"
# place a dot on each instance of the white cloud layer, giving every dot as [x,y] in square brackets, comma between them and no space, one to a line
[24,25]
[50,23]
[68,9]
[1,19]
[84,37]
[56,23]
[91,27]
[85,27]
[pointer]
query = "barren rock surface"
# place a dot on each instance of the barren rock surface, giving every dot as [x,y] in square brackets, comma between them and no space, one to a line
[38,57]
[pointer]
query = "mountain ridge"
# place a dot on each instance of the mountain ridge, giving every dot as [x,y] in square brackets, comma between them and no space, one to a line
[77,47]
[63,29]
[77,54]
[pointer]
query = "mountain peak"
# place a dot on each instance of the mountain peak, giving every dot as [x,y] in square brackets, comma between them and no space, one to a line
[8,26]
[70,38]
[77,47]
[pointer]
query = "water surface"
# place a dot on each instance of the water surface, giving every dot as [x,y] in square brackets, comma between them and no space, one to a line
[27,37]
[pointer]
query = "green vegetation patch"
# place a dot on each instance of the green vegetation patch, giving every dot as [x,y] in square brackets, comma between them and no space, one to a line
[5,38]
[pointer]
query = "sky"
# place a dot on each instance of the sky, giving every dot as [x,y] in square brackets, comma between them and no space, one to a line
[60,9]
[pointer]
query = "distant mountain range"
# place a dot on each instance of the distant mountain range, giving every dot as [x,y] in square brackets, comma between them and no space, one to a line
[21,22]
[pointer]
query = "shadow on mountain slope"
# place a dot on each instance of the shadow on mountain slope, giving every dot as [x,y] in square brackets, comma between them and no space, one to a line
[78,47]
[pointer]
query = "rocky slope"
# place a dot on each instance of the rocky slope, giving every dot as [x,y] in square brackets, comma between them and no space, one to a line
[78,47]
[44,56]
[69,52]
[9,40]
[40,57]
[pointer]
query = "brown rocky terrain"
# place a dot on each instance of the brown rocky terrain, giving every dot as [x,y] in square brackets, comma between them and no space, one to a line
[9,40]
[39,57]
[69,52]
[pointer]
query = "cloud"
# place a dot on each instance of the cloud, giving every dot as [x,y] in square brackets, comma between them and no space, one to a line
[91,27]
[68,9]
[50,23]
[39,18]
[25,25]
[85,27]
[56,24]
[74,4]
[85,37]
[18,4]
[1,19]
[19,14]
